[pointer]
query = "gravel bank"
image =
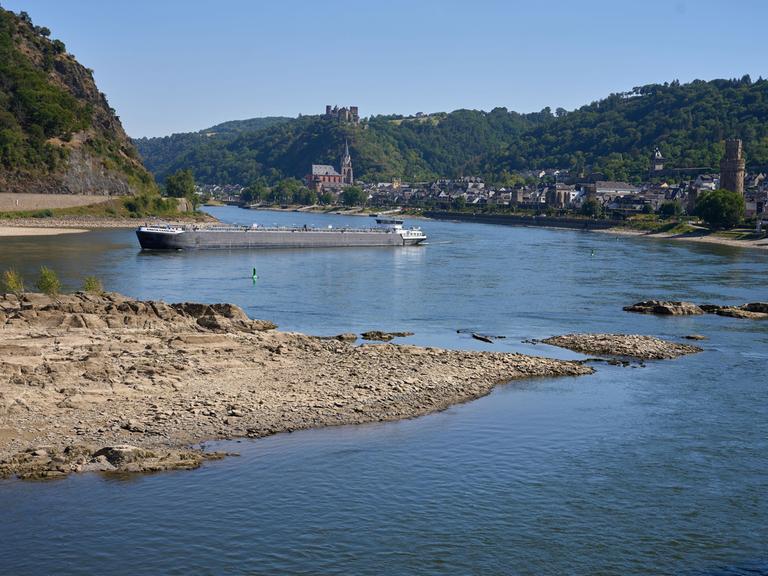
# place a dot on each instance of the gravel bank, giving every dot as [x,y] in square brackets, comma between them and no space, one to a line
[90,222]
[626,345]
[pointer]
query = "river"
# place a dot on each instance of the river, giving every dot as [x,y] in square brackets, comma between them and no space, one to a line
[659,469]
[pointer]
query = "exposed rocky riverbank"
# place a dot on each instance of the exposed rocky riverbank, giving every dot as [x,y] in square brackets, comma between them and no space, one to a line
[44,225]
[104,382]
[750,311]
[626,345]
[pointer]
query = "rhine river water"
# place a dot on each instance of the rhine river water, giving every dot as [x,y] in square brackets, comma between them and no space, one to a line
[661,469]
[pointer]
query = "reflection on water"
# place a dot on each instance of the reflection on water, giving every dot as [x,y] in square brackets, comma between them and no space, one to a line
[655,470]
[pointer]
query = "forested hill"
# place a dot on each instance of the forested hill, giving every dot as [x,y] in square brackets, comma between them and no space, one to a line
[615,136]
[162,154]
[58,133]
[383,147]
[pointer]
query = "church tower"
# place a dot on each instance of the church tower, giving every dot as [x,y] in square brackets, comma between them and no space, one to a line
[346,166]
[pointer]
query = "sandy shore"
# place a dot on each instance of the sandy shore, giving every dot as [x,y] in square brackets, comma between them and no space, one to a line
[705,239]
[108,383]
[37,231]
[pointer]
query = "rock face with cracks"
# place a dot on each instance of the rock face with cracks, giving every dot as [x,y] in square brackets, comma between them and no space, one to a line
[105,382]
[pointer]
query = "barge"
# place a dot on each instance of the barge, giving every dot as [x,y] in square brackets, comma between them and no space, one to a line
[390,232]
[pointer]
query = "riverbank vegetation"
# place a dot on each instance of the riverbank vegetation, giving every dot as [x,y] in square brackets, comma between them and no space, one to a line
[139,206]
[47,282]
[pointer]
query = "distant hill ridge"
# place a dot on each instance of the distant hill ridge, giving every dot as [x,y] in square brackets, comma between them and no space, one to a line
[614,136]
[58,133]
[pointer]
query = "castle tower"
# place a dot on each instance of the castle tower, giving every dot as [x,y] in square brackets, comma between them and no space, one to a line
[346,166]
[732,167]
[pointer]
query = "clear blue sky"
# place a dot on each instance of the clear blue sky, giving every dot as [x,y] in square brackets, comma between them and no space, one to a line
[183,65]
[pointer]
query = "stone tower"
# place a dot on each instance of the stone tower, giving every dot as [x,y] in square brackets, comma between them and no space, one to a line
[346,166]
[732,167]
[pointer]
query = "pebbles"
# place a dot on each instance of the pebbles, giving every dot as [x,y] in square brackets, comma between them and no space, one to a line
[626,345]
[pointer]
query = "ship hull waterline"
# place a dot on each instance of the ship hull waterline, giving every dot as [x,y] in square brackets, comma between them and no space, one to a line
[225,240]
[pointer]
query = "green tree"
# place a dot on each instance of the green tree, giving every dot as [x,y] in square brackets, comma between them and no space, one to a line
[13,282]
[459,203]
[671,209]
[592,208]
[182,185]
[48,282]
[287,191]
[720,209]
[256,192]
[352,196]
[326,198]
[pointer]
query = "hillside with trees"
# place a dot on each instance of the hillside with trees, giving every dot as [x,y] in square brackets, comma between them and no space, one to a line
[161,154]
[58,133]
[383,147]
[614,136]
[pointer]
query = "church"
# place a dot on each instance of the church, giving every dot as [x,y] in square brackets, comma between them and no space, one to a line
[325,176]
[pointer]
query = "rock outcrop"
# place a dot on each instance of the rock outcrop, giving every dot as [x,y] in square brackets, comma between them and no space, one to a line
[61,134]
[49,462]
[665,307]
[384,336]
[751,311]
[626,345]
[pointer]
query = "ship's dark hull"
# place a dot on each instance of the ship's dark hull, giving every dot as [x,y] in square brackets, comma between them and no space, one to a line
[253,238]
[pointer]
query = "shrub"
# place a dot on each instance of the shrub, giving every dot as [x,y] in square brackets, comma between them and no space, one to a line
[92,285]
[48,282]
[13,282]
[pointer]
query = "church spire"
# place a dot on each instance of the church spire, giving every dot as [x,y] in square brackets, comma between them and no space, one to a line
[346,166]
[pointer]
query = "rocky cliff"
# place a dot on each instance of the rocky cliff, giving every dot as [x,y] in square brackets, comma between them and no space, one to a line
[58,133]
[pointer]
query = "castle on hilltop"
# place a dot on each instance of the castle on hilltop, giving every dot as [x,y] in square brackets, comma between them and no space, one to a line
[343,114]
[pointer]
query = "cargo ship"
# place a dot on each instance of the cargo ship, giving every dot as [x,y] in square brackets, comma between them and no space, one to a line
[390,232]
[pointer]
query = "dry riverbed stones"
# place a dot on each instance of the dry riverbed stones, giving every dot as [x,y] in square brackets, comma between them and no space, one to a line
[626,345]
